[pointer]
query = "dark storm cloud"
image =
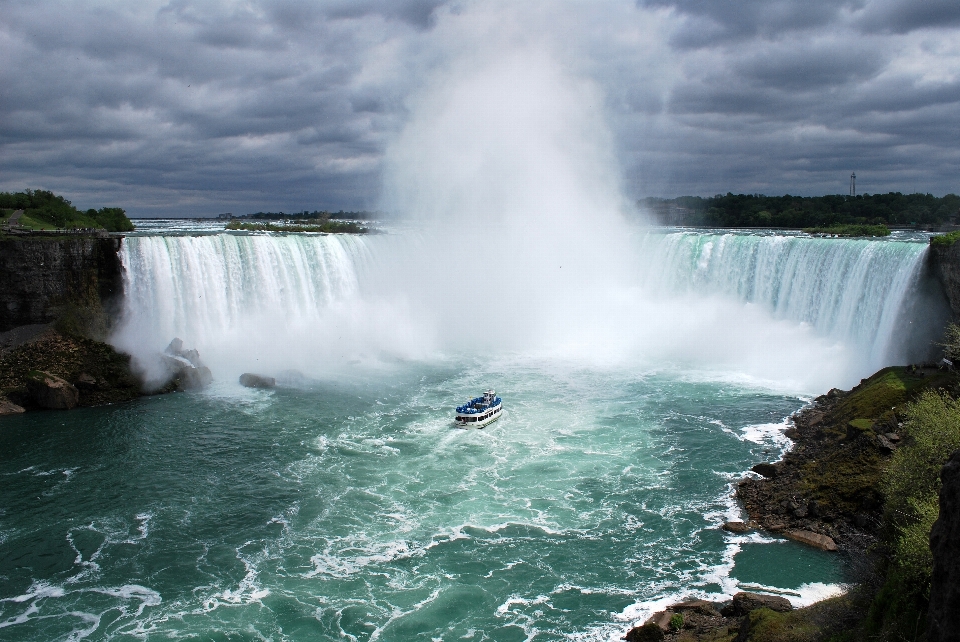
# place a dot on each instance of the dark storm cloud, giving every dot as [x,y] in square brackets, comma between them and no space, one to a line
[903,16]
[199,108]
[707,22]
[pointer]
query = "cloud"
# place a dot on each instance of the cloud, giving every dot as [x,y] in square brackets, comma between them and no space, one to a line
[198,108]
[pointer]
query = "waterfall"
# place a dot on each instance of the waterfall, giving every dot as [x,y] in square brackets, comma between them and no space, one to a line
[856,291]
[725,300]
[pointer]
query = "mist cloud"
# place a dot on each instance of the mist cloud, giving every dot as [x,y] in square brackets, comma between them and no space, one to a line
[176,108]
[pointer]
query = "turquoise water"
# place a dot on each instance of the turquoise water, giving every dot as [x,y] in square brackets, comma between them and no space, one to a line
[351,508]
[348,507]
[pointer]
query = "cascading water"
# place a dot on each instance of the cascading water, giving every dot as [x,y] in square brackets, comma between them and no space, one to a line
[856,292]
[296,301]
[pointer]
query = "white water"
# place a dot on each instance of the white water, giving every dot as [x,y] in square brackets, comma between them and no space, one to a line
[785,312]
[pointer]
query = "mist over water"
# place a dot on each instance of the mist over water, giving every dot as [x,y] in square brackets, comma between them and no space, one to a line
[512,237]
[507,173]
[642,370]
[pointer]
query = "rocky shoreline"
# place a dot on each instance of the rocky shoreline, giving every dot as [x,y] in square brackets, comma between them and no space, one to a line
[824,492]
[46,368]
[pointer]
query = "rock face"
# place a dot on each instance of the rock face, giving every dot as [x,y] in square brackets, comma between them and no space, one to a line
[743,603]
[945,261]
[52,392]
[649,632]
[251,380]
[39,276]
[943,615]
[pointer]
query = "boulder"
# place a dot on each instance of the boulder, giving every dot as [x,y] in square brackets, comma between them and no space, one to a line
[661,619]
[649,632]
[736,527]
[251,380]
[701,607]
[885,443]
[9,408]
[52,392]
[810,538]
[744,602]
[943,614]
[766,470]
[185,366]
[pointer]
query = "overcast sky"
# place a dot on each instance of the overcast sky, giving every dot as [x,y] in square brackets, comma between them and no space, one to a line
[198,108]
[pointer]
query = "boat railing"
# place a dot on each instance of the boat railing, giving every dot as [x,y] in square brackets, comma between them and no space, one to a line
[469,408]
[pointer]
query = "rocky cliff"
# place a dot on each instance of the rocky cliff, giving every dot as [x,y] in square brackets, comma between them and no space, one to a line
[944,612]
[40,277]
[945,260]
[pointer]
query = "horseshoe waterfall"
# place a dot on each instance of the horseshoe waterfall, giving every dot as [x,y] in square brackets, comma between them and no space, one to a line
[343,503]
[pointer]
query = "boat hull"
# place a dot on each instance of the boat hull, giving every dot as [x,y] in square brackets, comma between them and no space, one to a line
[464,421]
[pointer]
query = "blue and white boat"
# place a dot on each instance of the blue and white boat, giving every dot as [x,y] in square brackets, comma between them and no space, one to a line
[480,411]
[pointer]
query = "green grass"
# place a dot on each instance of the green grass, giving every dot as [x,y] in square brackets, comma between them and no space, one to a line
[326,227]
[945,240]
[847,477]
[850,230]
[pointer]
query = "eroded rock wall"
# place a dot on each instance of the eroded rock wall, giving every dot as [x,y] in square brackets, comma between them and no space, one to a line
[944,612]
[945,261]
[39,276]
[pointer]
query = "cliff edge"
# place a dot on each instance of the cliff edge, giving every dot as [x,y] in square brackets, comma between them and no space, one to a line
[40,277]
[945,260]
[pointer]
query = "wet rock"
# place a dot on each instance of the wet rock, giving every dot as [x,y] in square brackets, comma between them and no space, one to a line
[766,470]
[52,392]
[744,602]
[86,382]
[185,367]
[701,607]
[810,538]
[943,615]
[736,527]
[9,408]
[250,380]
[649,632]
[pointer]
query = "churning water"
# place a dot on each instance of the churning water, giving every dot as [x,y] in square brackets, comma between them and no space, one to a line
[344,505]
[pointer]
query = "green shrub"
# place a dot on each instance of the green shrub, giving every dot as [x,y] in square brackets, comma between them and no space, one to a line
[676,621]
[951,342]
[911,485]
[850,230]
[931,432]
[945,240]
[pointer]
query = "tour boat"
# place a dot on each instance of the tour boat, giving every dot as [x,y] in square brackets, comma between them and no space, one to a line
[480,411]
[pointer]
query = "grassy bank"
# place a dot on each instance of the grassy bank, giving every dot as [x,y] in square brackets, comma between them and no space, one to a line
[43,210]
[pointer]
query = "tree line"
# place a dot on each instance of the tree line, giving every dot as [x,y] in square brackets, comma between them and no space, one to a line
[797,212]
[44,207]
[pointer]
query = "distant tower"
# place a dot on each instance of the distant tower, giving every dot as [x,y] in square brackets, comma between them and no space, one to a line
[853,184]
